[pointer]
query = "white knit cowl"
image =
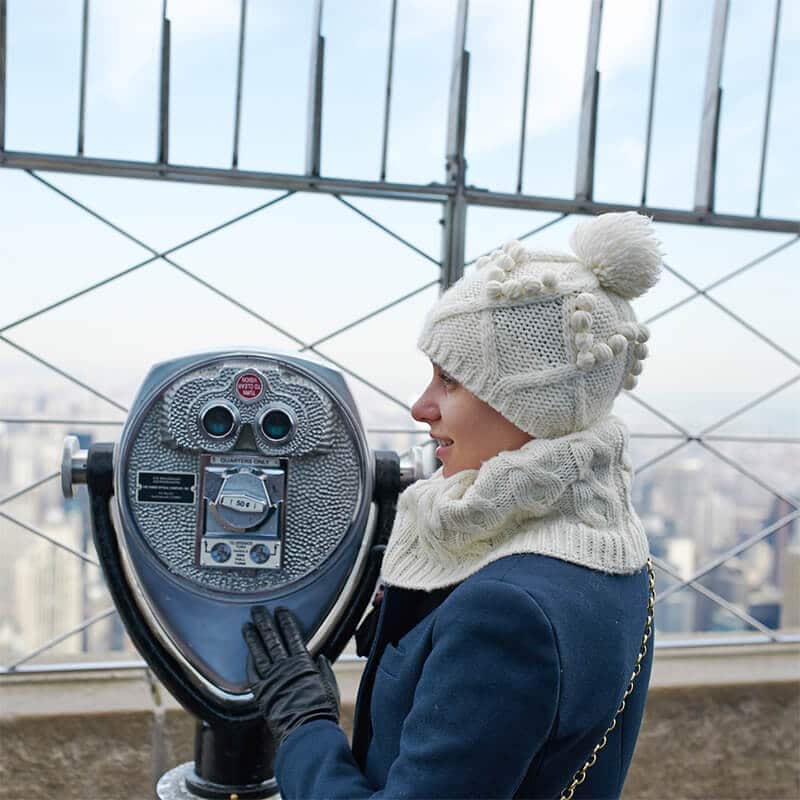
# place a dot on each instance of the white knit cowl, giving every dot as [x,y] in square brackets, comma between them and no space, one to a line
[567,497]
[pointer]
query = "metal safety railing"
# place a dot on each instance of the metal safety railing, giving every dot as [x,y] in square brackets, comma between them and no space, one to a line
[455,196]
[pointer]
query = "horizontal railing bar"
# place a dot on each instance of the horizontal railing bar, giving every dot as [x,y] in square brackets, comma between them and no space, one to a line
[351,658]
[145,170]
[41,421]
[76,666]
[722,641]
[431,192]
[481,197]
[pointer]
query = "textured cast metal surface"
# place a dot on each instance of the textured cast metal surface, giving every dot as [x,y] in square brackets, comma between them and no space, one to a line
[313,411]
[323,480]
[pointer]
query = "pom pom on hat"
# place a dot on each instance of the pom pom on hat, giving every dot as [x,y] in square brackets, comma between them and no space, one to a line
[621,249]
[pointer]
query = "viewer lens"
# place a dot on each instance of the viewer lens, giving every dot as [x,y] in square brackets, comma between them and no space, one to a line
[218,421]
[277,425]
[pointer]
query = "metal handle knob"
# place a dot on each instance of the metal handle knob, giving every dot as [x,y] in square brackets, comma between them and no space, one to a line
[418,463]
[73,465]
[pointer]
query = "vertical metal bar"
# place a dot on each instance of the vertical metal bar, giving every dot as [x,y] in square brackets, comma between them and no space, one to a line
[314,121]
[239,73]
[768,111]
[3,4]
[523,126]
[82,101]
[388,101]
[651,102]
[163,115]
[455,207]
[707,153]
[584,175]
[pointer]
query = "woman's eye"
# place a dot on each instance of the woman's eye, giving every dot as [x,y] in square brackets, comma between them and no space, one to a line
[446,379]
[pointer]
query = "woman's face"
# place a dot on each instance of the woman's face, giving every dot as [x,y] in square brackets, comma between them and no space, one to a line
[469,431]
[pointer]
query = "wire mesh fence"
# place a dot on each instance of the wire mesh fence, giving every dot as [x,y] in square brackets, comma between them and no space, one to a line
[112,273]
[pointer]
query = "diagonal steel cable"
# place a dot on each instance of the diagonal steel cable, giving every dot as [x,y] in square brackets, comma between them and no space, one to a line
[155,257]
[30,487]
[388,231]
[414,292]
[188,273]
[287,334]
[720,601]
[722,307]
[792,501]
[731,553]
[371,314]
[766,396]
[62,373]
[524,236]
[61,637]
[47,537]
[646,464]
[725,278]
[659,414]
[734,609]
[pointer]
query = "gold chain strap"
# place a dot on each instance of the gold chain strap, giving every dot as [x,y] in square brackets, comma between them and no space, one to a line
[580,776]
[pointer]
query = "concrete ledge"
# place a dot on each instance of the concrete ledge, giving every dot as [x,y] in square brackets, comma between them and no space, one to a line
[721,723]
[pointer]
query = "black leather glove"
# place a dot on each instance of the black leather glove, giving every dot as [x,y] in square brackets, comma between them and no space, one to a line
[289,686]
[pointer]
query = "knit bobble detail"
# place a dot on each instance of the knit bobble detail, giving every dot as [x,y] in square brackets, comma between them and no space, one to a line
[602,353]
[584,341]
[586,302]
[585,360]
[483,262]
[643,334]
[532,286]
[505,262]
[514,289]
[549,280]
[618,344]
[581,321]
[630,330]
[495,274]
[640,350]
[636,368]
[629,382]
[494,290]
[515,251]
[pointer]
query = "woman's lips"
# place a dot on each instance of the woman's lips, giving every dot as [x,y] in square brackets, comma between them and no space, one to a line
[444,447]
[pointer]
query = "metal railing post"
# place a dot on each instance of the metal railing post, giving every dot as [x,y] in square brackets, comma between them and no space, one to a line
[314,118]
[712,100]
[455,207]
[587,132]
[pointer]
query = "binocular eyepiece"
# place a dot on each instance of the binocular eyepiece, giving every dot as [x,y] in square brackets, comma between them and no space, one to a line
[241,478]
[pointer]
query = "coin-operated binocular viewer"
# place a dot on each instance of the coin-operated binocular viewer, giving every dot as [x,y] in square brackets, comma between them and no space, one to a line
[240,478]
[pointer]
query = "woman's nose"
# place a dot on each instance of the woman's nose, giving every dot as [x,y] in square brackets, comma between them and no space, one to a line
[426,409]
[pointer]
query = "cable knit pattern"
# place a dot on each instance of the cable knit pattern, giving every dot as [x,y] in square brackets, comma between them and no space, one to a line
[567,497]
[549,339]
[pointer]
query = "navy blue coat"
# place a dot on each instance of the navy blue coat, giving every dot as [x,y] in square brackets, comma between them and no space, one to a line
[499,687]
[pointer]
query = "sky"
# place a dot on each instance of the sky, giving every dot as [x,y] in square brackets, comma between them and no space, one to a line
[309,263]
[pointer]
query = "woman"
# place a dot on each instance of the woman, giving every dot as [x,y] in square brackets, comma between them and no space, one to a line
[518,600]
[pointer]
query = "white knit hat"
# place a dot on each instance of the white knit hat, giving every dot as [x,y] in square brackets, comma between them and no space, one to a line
[549,339]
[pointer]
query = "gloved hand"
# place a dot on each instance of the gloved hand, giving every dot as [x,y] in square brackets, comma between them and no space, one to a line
[289,686]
